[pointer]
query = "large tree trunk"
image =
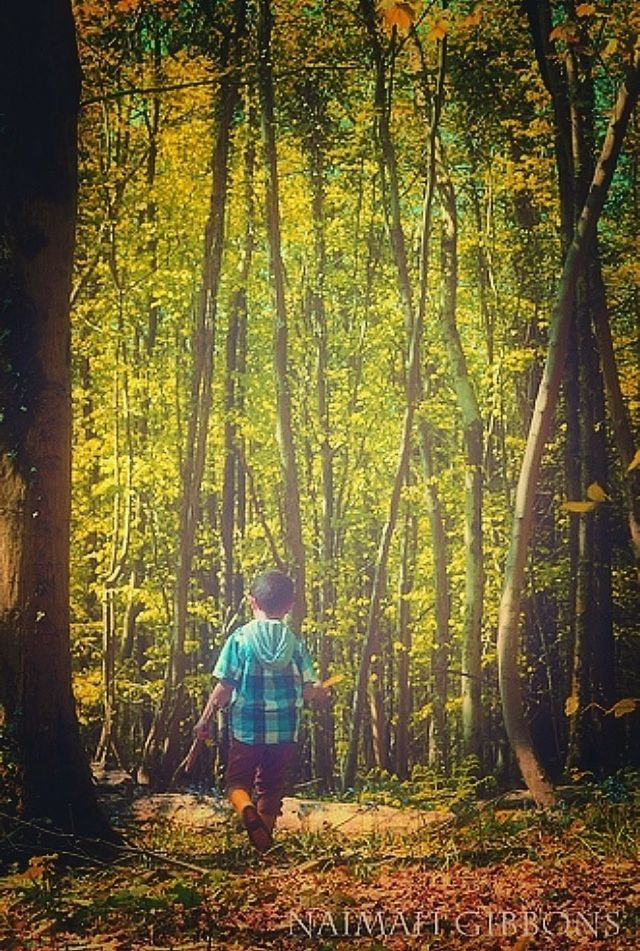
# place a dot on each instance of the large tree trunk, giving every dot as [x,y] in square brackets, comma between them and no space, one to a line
[508,626]
[593,739]
[39,90]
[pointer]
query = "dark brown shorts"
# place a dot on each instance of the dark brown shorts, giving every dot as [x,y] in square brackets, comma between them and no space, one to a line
[264,767]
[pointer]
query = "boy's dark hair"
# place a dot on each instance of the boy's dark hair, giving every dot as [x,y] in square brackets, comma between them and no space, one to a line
[273,592]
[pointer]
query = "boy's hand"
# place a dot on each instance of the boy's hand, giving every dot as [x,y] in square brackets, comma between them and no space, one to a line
[201,729]
[315,691]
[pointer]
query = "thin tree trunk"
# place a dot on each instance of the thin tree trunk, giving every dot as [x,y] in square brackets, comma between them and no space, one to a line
[510,687]
[144,346]
[473,444]
[438,745]
[162,749]
[232,493]
[292,519]
[405,693]
[107,743]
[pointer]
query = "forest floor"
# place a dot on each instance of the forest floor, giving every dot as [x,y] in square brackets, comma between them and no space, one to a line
[341,876]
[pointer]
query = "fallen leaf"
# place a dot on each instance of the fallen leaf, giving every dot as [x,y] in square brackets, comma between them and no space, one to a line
[580,507]
[331,681]
[585,9]
[596,493]
[635,462]
[571,705]
[624,707]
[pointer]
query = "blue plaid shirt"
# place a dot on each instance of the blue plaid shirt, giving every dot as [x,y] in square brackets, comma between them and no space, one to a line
[267,698]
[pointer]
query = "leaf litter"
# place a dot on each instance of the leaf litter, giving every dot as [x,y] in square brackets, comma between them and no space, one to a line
[489,880]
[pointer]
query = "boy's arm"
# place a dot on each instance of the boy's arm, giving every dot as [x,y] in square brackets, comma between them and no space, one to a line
[219,697]
[312,689]
[227,671]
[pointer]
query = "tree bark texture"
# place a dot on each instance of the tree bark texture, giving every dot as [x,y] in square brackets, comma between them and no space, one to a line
[39,94]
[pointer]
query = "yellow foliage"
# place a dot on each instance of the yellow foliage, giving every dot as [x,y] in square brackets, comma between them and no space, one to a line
[439,30]
[396,13]
[473,19]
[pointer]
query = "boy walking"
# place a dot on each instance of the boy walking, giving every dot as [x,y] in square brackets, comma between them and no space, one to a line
[266,673]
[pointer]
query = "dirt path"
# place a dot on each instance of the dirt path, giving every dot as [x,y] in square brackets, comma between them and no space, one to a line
[299,815]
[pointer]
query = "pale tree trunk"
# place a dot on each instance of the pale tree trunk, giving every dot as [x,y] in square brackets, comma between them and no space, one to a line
[473,446]
[107,749]
[438,738]
[508,625]
[143,350]
[162,748]
[438,747]
[405,693]
[292,518]
[39,93]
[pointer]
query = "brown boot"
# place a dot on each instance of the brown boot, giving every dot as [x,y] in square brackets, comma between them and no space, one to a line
[259,833]
[269,821]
